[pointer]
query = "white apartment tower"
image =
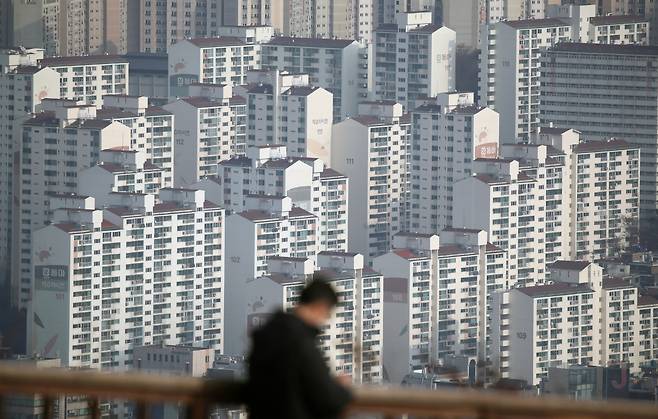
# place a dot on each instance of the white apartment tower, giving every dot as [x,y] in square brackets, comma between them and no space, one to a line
[22,87]
[286,109]
[581,89]
[57,143]
[90,77]
[352,340]
[338,65]
[122,170]
[151,128]
[505,202]
[141,271]
[268,171]
[224,60]
[208,130]
[582,318]
[437,298]
[568,200]
[271,226]
[550,325]
[519,45]
[448,134]
[160,24]
[373,150]
[413,60]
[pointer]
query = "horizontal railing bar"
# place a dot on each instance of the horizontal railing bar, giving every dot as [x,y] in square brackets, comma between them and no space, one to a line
[140,387]
[403,400]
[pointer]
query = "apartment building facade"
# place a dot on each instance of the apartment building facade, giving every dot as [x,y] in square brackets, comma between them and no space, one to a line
[268,171]
[139,272]
[337,65]
[208,130]
[270,226]
[352,340]
[414,59]
[373,151]
[70,27]
[151,128]
[286,109]
[582,318]
[223,60]
[519,45]
[437,298]
[448,134]
[90,77]
[606,91]
[56,144]
[22,87]
[121,170]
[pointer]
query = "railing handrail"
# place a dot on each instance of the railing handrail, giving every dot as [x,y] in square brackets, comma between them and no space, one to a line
[152,388]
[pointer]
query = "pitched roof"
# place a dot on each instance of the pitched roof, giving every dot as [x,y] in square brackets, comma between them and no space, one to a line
[588,48]
[616,19]
[569,265]
[329,173]
[614,282]
[310,42]
[535,23]
[222,41]
[558,288]
[597,146]
[83,60]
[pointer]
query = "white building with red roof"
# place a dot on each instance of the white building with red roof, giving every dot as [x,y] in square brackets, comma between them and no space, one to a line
[143,270]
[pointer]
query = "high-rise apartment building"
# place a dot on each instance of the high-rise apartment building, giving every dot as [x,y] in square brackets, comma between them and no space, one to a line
[606,91]
[437,300]
[582,318]
[414,59]
[286,109]
[448,133]
[56,144]
[555,198]
[644,8]
[90,77]
[208,130]
[338,65]
[151,128]
[268,171]
[224,60]
[270,226]
[71,27]
[22,87]
[161,24]
[122,170]
[141,271]
[373,150]
[503,201]
[353,338]
[519,45]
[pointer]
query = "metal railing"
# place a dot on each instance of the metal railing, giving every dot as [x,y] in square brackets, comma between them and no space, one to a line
[200,395]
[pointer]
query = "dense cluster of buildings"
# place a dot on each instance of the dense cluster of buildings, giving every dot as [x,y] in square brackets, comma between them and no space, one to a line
[163,205]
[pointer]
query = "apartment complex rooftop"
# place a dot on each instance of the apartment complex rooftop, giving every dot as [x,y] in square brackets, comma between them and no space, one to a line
[616,19]
[223,41]
[589,48]
[536,23]
[83,60]
[310,42]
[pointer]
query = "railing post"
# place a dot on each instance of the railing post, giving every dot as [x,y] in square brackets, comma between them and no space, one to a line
[48,407]
[198,409]
[141,410]
[94,408]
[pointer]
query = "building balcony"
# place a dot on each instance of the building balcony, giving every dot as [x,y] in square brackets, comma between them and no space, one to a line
[200,397]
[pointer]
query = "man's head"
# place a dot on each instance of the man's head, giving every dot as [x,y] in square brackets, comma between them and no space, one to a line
[316,302]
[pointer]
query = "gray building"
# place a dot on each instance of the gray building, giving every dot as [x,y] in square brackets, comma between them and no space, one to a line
[606,91]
